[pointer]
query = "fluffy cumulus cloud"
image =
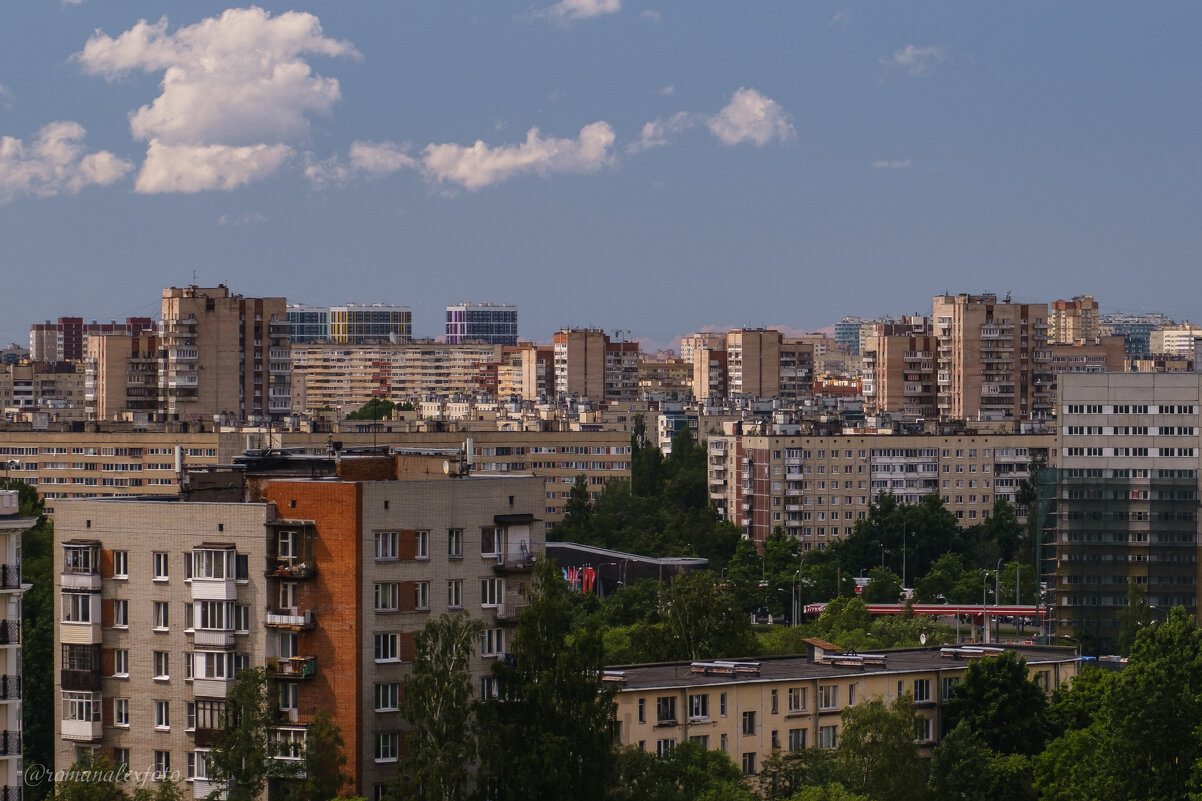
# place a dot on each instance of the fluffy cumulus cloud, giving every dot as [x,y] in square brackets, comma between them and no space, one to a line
[656,132]
[917,62]
[236,92]
[366,160]
[55,162]
[751,117]
[572,10]
[480,165]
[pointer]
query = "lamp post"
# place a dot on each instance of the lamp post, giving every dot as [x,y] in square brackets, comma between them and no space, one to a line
[984,618]
[797,597]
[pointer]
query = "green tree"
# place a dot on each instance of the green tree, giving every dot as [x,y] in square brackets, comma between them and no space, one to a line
[959,766]
[828,792]
[786,773]
[878,749]
[439,703]
[884,587]
[1002,529]
[241,759]
[906,538]
[1001,704]
[325,758]
[549,732]
[685,773]
[374,409]
[1132,617]
[166,790]
[92,778]
[702,619]
[577,523]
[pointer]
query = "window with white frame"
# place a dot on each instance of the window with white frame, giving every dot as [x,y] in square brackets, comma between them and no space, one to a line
[492,591]
[455,593]
[120,614]
[489,541]
[162,665]
[121,711]
[492,642]
[288,695]
[386,648]
[699,706]
[160,615]
[386,596]
[81,706]
[421,544]
[421,595]
[386,545]
[120,662]
[387,697]
[797,739]
[120,564]
[922,690]
[162,762]
[77,607]
[162,714]
[797,699]
[828,696]
[828,736]
[158,563]
[455,543]
[387,743]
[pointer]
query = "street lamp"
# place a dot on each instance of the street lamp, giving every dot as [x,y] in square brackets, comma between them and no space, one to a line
[797,596]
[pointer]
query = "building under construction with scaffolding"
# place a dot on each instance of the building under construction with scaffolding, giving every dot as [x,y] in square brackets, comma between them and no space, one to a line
[1120,512]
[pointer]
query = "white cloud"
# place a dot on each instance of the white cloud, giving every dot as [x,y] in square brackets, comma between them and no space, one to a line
[55,162]
[917,62]
[197,168]
[366,159]
[751,117]
[480,165]
[668,90]
[651,15]
[843,17]
[236,91]
[656,132]
[571,10]
[897,164]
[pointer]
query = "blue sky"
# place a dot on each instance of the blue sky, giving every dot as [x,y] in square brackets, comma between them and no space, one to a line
[650,166]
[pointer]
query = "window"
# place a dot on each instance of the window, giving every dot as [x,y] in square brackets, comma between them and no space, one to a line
[722,743]
[120,564]
[421,595]
[162,665]
[386,746]
[749,723]
[77,607]
[162,762]
[288,695]
[387,696]
[189,665]
[158,561]
[775,702]
[241,617]
[214,564]
[722,704]
[924,734]
[492,591]
[386,597]
[749,763]
[421,544]
[851,695]
[664,747]
[120,614]
[797,699]
[455,593]
[702,740]
[797,739]
[162,714]
[828,696]
[492,642]
[828,736]
[160,616]
[386,648]
[642,710]
[699,706]
[81,706]
[121,711]
[121,758]
[455,543]
[488,541]
[949,686]
[386,545]
[120,662]
[216,615]
[665,709]
[922,690]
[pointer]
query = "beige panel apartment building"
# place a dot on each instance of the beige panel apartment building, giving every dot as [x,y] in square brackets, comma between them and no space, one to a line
[993,360]
[12,526]
[122,375]
[753,709]
[224,354]
[900,376]
[1074,322]
[816,488]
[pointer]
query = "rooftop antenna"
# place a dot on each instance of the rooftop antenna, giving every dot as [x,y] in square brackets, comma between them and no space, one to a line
[193,278]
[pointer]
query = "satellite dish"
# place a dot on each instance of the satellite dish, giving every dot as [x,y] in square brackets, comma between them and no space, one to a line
[922,638]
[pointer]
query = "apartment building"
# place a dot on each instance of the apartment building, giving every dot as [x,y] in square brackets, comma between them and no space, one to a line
[330,374]
[56,388]
[526,371]
[350,324]
[816,488]
[710,369]
[762,363]
[589,365]
[1073,322]
[223,354]
[993,361]
[751,710]
[1124,501]
[324,582]
[494,323]
[1135,329]
[66,339]
[1175,340]
[121,375]
[900,377]
[12,526]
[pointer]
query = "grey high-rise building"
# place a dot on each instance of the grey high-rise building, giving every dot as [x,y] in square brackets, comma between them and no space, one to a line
[496,324]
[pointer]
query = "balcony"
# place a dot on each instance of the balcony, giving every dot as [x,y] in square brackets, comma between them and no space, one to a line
[10,743]
[10,631]
[81,730]
[75,680]
[211,687]
[515,561]
[213,638]
[509,613]
[290,619]
[290,568]
[292,667]
[81,579]
[206,589]
[10,577]
[10,793]
[10,687]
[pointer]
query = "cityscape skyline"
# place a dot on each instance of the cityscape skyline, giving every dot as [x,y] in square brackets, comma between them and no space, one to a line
[916,150]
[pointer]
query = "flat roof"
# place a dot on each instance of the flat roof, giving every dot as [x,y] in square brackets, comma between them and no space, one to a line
[800,668]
